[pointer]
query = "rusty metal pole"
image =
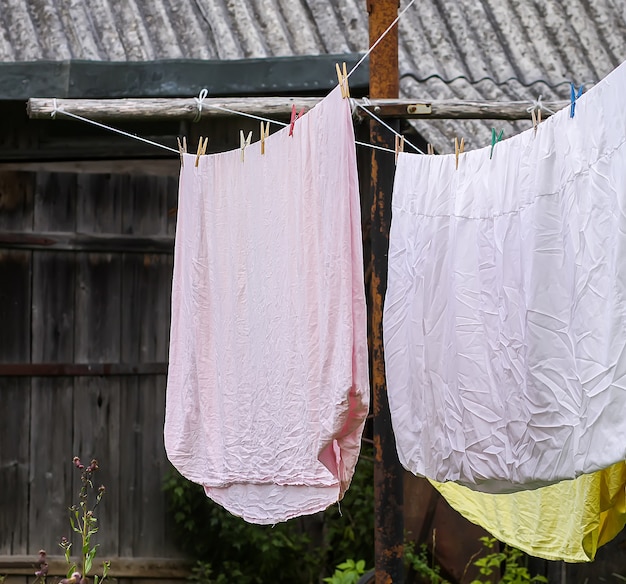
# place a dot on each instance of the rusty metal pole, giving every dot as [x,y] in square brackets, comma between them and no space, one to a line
[388,504]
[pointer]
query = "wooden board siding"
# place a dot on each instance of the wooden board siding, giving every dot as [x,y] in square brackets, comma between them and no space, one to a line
[16,209]
[85,307]
[53,313]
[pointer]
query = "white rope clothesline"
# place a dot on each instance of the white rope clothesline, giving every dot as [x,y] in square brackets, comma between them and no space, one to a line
[57,110]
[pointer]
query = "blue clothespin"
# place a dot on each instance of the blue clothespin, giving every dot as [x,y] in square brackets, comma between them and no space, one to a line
[495,139]
[574,95]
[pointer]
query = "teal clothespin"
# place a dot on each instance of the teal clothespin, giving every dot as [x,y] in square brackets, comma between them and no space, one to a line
[574,95]
[494,140]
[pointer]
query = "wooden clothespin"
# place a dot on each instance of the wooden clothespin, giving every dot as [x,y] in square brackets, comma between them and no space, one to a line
[495,138]
[201,149]
[245,142]
[399,146]
[430,149]
[342,77]
[294,117]
[265,132]
[574,95]
[535,114]
[182,149]
[458,149]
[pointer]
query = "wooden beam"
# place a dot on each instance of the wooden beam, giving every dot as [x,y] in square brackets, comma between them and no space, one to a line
[388,473]
[459,110]
[279,108]
[76,242]
[158,568]
[80,369]
[167,109]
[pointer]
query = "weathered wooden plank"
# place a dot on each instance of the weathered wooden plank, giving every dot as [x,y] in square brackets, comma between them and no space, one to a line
[145,324]
[99,275]
[144,338]
[14,466]
[143,466]
[80,369]
[15,275]
[97,333]
[54,273]
[278,108]
[126,166]
[16,201]
[107,243]
[50,481]
[96,435]
[17,580]
[168,109]
[156,568]
[16,198]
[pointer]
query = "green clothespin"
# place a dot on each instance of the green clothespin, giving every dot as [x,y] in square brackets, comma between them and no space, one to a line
[494,140]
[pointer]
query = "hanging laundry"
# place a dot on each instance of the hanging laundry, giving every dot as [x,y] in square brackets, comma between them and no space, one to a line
[268,389]
[505,314]
[566,521]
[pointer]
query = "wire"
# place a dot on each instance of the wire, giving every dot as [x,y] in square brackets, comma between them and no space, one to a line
[381,37]
[111,129]
[388,127]
[368,145]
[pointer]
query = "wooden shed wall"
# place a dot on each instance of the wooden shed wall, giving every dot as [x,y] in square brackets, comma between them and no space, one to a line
[78,308]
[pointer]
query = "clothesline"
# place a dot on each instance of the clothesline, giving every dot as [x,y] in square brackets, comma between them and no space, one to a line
[180,108]
[57,110]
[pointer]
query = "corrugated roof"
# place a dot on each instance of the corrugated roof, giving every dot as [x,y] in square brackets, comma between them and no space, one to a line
[469,49]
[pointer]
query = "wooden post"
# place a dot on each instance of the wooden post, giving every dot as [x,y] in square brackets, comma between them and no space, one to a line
[388,504]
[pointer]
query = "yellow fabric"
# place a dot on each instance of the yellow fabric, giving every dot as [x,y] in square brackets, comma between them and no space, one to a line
[567,521]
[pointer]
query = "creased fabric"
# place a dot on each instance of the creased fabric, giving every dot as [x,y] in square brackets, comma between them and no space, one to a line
[504,318]
[268,388]
[566,521]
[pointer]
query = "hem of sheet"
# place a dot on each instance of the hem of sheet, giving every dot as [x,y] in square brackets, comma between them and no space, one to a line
[504,314]
[249,501]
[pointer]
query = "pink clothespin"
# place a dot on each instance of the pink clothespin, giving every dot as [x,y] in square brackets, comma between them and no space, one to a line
[294,117]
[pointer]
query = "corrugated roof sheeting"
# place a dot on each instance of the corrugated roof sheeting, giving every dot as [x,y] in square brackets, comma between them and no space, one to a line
[467,49]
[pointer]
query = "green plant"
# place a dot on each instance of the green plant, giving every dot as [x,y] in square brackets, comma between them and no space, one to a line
[507,559]
[420,564]
[84,522]
[347,572]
